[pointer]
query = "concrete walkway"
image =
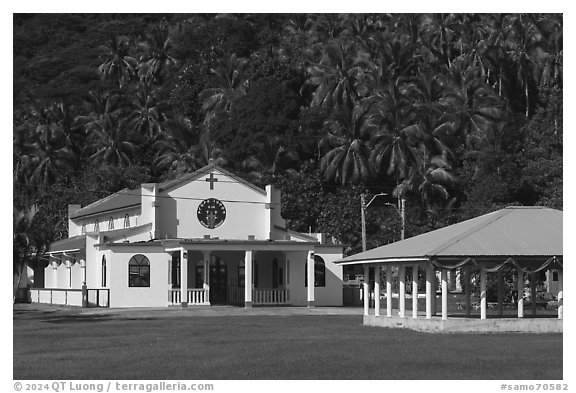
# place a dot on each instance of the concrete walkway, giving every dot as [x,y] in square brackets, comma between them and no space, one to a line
[191,311]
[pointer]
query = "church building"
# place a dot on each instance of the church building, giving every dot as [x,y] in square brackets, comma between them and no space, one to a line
[206,238]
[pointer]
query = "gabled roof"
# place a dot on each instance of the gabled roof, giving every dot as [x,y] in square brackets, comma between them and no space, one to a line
[133,198]
[171,184]
[119,200]
[514,232]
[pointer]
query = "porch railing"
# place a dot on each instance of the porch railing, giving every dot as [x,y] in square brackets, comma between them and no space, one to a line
[70,297]
[196,296]
[270,296]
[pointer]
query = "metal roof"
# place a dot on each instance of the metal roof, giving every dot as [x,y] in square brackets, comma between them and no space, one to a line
[513,232]
[127,198]
[70,244]
[119,200]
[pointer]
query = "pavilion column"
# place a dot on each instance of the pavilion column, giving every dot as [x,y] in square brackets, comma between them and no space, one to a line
[366,288]
[183,278]
[482,292]
[444,274]
[533,293]
[520,288]
[500,289]
[429,279]
[248,278]
[402,290]
[377,290]
[415,291]
[311,279]
[206,284]
[560,296]
[467,289]
[388,290]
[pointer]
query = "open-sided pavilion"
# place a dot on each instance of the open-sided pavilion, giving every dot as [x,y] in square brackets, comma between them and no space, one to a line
[526,240]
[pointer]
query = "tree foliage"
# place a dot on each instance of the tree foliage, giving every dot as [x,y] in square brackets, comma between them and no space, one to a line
[460,114]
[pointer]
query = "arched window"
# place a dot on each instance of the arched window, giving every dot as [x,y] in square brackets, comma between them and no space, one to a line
[319,272]
[103,270]
[126,221]
[111,224]
[97,226]
[139,271]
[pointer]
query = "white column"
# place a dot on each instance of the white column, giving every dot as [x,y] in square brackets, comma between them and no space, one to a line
[560,296]
[520,288]
[311,279]
[429,278]
[388,290]
[366,289]
[482,292]
[377,290]
[183,278]
[248,279]
[402,290]
[415,291]
[444,294]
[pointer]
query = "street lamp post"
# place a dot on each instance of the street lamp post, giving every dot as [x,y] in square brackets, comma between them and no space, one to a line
[365,205]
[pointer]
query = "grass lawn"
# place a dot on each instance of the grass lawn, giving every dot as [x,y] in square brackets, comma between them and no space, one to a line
[70,345]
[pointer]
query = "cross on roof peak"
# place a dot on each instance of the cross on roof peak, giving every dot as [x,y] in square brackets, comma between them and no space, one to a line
[212,180]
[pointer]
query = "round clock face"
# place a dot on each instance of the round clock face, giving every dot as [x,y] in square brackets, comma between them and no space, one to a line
[211,213]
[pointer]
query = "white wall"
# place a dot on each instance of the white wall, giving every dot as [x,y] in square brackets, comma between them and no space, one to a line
[121,295]
[178,213]
[331,294]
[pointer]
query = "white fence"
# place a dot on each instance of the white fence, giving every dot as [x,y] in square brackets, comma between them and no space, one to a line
[196,296]
[70,297]
[270,296]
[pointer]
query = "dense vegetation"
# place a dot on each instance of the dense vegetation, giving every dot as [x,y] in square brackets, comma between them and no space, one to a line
[460,114]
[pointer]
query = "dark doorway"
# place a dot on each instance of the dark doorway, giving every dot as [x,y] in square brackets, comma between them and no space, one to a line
[218,281]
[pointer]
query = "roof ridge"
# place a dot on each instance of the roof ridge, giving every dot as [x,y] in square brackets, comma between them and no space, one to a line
[497,215]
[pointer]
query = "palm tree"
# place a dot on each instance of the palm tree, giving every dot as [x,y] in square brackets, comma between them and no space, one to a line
[525,50]
[52,156]
[178,148]
[45,148]
[147,113]
[119,64]
[347,158]
[230,83]
[273,157]
[429,182]
[155,56]
[110,143]
[337,74]
[395,145]
[471,107]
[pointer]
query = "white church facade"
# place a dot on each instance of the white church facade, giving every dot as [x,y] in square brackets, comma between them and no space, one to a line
[206,238]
